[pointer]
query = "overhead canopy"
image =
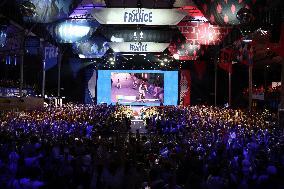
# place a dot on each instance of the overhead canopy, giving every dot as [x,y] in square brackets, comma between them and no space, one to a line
[52,10]
[223,12]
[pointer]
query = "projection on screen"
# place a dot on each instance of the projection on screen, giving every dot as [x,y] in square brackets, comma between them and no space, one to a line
[137,87]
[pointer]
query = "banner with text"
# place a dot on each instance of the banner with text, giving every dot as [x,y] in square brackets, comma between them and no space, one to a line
[138,16]
[184,87]
[138,47]
[50,56]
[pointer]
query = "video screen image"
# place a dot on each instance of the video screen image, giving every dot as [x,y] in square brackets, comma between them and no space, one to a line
[137,87]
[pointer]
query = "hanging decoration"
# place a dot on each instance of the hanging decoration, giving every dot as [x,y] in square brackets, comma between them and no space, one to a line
[184,50]
[203,33]
[43,11]
[193,14]
[226,58]
[223,12]
[50,56]
[185,84]
[198,33]
[245,52]
[96,47]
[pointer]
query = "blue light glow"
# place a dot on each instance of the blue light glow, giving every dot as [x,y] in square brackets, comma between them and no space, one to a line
[72,31]
[3,38]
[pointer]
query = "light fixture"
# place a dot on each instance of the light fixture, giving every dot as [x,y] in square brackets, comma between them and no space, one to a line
[72,30]
[247,40]
[82,56]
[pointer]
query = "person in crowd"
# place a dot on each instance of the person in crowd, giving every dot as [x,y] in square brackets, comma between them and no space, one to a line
[118,85]
[89,146]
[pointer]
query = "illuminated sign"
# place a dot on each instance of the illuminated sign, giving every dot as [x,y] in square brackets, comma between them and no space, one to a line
[138,16]
[50,56]
[138,47]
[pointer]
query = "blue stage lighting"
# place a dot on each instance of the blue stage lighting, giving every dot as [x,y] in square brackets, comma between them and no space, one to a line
[3,38]
[71,31]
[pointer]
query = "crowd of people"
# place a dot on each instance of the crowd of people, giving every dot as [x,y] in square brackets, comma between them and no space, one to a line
[89,146]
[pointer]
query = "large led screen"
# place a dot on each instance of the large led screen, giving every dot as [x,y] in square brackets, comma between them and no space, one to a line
[137,87]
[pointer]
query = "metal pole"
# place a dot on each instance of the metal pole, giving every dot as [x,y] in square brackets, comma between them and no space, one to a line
[43,80]
[250,87]
[282,86]
[21,75]
[281,105]
[215,87]
[59,75]
[230,88]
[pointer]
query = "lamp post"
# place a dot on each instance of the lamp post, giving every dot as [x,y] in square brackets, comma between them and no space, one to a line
[281,108]
[230,88]
[250,87]
[43,79]
[21,74]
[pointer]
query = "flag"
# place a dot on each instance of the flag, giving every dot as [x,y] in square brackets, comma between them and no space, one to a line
[226,58]
[278,47]
[50,56]
[185,81]
[245,54]
[200,68]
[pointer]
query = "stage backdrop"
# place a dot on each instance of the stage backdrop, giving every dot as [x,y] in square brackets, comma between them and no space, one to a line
[164,87]
[185,87]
